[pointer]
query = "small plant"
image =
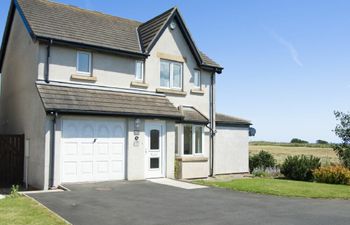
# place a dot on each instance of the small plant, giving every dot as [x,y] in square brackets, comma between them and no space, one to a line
[177,169]
[14,191]
[332,175]
[267,172]
[300,167]
[261,160]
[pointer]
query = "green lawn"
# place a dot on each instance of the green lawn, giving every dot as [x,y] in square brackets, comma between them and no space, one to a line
[24,211]
[282,187]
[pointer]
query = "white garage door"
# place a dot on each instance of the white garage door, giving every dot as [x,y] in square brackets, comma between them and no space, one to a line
[92,150]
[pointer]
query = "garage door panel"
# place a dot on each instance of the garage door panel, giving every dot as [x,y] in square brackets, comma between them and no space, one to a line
[117,149]
[95,153]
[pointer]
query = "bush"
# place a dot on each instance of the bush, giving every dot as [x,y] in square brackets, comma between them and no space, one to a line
[262,160]
[322,142]
[343,153]
[332,175]
[298,141]
[300,167]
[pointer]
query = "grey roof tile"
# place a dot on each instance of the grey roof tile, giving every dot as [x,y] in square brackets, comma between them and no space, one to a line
[93,101]
[192,115]
[226,119]
[69,23]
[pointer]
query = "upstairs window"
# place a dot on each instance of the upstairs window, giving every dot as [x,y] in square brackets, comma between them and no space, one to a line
[197,78]
[84,62]
[139,70]
[170,74]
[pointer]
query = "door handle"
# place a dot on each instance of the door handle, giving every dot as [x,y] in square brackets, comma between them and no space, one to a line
[94,141]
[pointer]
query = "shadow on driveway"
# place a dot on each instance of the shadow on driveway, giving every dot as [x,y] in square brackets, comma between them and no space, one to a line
[146,203]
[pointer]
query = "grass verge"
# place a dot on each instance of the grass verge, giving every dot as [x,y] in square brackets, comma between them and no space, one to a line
[22,210]
[281,187]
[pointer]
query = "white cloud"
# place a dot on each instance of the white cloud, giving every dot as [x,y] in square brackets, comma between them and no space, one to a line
[289,46]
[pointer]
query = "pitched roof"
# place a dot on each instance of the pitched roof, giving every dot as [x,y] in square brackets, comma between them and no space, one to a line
[52,20]
[222,119]
[192,115]
[67,99]
[64,23]
[149,30]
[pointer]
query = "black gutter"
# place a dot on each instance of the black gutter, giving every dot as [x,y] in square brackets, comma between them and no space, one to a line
[99,113]
[47,66]
[52,151]
[93,47]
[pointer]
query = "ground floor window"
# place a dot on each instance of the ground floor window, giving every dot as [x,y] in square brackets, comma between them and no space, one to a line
[189,139]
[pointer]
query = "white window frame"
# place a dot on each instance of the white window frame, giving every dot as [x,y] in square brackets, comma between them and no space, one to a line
[171,70]
[182,142]
[199,78]
[142,70]
[90,60]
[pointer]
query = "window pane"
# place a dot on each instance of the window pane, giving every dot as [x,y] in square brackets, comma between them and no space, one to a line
[83,62]
[196,78]
[176,140]
[177,75]
[139,70]
[154,139]
[164,74]
[198,139]
[188,140]
[154,163]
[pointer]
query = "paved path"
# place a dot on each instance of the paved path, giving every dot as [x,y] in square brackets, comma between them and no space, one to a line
[148,203]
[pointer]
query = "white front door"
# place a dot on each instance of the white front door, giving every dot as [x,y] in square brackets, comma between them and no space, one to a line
[92,150]
[154,152]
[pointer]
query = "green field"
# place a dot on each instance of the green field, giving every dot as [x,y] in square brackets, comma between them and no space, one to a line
[281,151]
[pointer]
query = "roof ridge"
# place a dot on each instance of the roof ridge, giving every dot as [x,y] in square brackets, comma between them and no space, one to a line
[77,8]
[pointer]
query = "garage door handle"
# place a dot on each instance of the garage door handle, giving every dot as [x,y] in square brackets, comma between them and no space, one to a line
[95,140]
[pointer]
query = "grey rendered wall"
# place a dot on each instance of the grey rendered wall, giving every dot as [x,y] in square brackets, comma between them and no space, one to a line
[231,150]
[22,111]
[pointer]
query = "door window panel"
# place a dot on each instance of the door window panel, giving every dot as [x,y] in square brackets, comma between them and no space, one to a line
[154,139]
[154,163]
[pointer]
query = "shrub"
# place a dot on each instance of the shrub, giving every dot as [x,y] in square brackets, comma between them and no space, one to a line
[322,142]
[298,141]
[300,167]
[343,153]
[261,160]
[332,175]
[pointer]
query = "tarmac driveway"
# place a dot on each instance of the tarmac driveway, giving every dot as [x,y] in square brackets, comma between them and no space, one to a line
[146,203]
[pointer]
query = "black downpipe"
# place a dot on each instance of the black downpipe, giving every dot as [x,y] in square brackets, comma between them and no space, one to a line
[47,66]
[52,151]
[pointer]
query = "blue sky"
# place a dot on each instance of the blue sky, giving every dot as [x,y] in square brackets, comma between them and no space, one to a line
[287,63]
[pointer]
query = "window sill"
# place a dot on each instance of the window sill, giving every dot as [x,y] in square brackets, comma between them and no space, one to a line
[138,84]
[197,92]
[192,158]
[171,91]
[84,78]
